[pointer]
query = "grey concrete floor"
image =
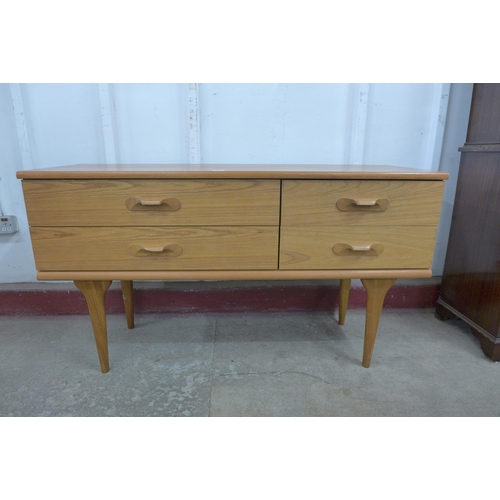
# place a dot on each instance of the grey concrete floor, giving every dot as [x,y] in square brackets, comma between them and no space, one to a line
[266,364]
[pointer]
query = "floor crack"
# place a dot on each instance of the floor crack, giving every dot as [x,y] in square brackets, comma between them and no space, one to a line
[280,372]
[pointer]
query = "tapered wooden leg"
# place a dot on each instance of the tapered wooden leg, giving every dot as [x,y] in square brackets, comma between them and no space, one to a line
[128,301]
[94,292]
[376,290]
[345,288]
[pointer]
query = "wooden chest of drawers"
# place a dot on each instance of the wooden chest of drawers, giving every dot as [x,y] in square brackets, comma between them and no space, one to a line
[98,223]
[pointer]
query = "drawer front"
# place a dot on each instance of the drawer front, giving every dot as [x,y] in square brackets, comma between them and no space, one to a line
[160,249]
[326,247]
[152,202]
[361,202]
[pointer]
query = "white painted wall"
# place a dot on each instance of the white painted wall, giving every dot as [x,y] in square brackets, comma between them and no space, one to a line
[43,125]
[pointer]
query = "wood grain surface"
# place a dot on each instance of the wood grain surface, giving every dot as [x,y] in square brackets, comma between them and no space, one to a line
[115,248]
[107,202]
[311,247]
[229,171]
[316,202]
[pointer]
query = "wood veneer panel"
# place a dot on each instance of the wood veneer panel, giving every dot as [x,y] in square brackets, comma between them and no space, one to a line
[118,202]
[321,202]
[229,171]
[313,247]
[323,274]
[140,249]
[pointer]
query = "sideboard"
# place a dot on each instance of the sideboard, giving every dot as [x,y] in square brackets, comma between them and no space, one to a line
[93,224]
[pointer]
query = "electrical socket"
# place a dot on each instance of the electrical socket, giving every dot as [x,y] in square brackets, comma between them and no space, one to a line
[8,224]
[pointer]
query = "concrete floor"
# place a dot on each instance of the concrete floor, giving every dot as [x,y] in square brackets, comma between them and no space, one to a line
[267,364]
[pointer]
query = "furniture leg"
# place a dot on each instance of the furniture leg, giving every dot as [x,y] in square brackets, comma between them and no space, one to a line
[442,313]
[490,348]
[94,292]
[345,288]
[128,301]
[489,344]
[376,290]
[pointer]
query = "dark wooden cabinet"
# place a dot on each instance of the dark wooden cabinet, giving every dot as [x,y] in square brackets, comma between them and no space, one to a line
[470,287]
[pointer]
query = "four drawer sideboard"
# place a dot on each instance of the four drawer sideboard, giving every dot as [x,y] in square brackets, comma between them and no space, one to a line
[93,224]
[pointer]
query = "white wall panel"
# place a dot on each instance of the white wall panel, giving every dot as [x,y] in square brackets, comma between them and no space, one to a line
[43,125]
[237,123]
[274,123]
[151,122]
[64,124]
[398,122]
[316,123]
[16,255]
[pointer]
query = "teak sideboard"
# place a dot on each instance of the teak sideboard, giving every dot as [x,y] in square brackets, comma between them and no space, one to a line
[96,223]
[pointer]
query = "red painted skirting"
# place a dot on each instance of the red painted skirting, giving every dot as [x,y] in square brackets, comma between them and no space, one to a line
[254,299]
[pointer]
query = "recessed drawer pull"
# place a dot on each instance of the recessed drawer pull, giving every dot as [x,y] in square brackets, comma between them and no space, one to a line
[167,204]
[352,205]
[344,249]
[173,250]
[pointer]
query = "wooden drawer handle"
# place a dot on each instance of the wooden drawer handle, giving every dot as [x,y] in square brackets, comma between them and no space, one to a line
[352,205]
[173,250]
[168,204]
[344,249]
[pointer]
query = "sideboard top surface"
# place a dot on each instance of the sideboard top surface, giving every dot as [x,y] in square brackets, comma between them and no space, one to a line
[219,171]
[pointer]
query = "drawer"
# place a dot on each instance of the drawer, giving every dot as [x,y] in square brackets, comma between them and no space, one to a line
[327,247]
[361,202]
[152,202]
[160,249]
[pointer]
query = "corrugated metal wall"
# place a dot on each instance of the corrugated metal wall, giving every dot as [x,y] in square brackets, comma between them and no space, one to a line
[43,125]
